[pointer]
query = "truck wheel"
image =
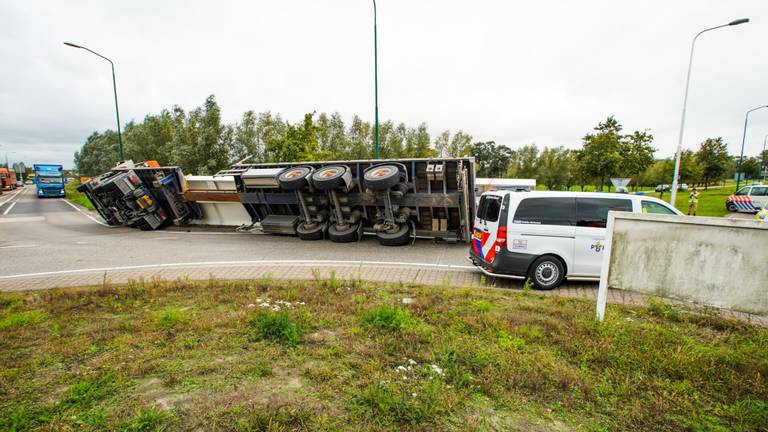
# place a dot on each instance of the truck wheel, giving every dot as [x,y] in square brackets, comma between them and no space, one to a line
[315,231]
[547,272]
[329,177]
[401,236]
[294,178]
[382,177]
[347,234]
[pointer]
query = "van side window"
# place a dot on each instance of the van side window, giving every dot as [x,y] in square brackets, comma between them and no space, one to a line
[492,209]
[656,208]
[759,191]
[593,212]
[546,211]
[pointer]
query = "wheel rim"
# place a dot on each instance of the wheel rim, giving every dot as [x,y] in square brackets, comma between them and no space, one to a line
[329,173]
[547,273]
[381,172]
[294,174]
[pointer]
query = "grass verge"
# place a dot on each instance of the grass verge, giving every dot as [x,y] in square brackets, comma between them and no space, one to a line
[77,197]
[350,355]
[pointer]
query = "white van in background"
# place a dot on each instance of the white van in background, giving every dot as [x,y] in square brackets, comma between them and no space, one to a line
[548,236]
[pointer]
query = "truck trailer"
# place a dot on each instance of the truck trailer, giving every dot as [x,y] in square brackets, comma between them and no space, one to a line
[397,200]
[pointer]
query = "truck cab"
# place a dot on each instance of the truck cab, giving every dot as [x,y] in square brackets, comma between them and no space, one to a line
[49,180]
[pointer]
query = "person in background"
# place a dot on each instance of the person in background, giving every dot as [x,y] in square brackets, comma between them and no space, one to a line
[693,201]
[762,215]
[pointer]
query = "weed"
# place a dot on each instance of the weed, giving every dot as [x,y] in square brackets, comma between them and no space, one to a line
[151,419]
[661,309]
[505,341]
[483,279]
[170,317]
[333,282]
[21,319]
[527,286]
[482,306]
[276,327]
[459,365]
[265,281]
[388,318]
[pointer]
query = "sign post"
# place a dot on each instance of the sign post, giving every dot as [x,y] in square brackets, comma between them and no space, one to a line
[602,290]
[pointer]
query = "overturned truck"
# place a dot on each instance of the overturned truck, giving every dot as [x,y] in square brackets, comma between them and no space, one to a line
[145,196]
[395,200]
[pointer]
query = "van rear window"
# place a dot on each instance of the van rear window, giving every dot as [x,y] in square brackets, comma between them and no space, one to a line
[546,211]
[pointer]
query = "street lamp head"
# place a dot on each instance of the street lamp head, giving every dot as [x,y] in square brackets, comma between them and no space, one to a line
[72,45]
[738,21]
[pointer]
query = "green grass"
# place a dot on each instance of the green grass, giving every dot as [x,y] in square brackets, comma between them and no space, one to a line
[120,358]
[76,197]
[711,201]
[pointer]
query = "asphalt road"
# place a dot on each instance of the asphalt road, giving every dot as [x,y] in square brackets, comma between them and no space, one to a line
[50,235]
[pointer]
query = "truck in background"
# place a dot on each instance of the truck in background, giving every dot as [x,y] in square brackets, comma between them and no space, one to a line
[7,179]
[49,179]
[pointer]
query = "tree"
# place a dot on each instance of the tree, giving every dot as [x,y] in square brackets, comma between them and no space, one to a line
[713,159]
[442,142]
[460,146]
[600,157]
[552,167]
[636,153]
[246,143]
[751,168]
[524,163]
[417,142]
[492,159]
[359,139]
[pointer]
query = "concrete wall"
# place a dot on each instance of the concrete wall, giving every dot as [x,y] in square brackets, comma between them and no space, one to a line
[712,261]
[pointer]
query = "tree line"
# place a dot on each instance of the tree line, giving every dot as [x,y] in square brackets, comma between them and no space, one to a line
[607,153]
[201,143]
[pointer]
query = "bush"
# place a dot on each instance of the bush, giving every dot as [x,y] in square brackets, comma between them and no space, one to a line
[275,327]
[388,318]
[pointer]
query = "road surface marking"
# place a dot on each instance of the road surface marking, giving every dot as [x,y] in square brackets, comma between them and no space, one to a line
[86,214]
[18,246]
[9,208]
[12,196]
[165,238]
[303,263]
[22,219]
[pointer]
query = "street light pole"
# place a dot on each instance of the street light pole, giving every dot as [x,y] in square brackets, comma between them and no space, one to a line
[114,87]
[743,139]
[678,154]
[376,77]
[762,157]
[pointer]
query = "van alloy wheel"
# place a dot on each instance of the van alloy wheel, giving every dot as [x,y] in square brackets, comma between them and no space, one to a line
[547,272]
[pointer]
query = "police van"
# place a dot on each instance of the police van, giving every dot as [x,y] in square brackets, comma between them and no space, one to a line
[548,236]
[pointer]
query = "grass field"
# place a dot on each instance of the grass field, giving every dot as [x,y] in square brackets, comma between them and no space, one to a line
[347,355]
[76,197]
[711,201]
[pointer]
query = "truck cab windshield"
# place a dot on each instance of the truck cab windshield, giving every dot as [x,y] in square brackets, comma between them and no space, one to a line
[51,179]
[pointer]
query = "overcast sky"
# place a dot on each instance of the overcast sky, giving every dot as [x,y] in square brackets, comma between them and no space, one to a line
[513,72]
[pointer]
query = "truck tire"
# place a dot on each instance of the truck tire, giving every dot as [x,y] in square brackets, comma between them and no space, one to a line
[294,178]
[547,272]
[312,232]
[347,234]
[382,177]
[329,177]
[400,237]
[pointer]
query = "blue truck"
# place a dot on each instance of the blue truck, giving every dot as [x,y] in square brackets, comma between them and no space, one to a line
[49,180]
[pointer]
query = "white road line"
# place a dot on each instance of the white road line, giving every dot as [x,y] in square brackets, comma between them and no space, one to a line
[9,208]
[86,214]
[18,192]
[302,263]
[18,246]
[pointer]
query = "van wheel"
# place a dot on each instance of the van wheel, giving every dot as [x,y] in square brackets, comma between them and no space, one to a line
[547,272]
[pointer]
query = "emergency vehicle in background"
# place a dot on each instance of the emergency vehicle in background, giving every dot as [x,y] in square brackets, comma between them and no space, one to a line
[750,199]
[549,236]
